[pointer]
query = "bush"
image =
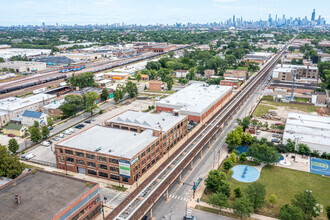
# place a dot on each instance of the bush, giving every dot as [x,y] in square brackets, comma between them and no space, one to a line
[242,157]
[238,192]
[232,157]
[227,165]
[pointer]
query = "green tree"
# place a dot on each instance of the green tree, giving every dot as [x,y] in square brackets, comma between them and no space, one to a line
[262,153]
[233,139]
[288,212]
[44,131]
[36,124]
[272,199]
[232,157]
[138,77]
[171,54]
[303,149]
[2,60]
[238,192]
[291,48]
[169,82]
[253,67]
[290,145]
[231,59]
[35,134]
[244,123]
[90,99]
[219,199]
[104,94]
[328,211]
[131,89]
[13,145]
[50,121]
[10,166]
[116,95]
[242,207]
[256,193]
[242,157]
[307,203]
[71,105]
[213,181]
[82,80]
[227,165]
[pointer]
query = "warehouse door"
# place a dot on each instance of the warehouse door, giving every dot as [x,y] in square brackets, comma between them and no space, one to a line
[81,170]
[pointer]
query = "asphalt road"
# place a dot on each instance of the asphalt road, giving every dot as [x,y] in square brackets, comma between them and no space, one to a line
[180,194]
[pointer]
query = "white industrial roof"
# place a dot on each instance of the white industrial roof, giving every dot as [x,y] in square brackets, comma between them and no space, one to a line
[309,129]
[7,53]
[161,121]
[282,69]
[13,103]
[56,104]
[111,141]
[195,99]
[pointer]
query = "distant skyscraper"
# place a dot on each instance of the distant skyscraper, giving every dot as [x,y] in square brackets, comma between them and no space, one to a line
[234,20]
[313,16]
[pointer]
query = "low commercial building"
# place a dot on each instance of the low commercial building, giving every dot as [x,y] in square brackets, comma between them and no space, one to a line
[58,60]
[240,74]
[197,100]
[117,75]
[308,129]
[258,57]
[24,66]
[181,73]
[53,108]
[29,117]
[81,56]
[234,83]
[159,48]
[155,85]
[47,195]
[15,129]
[286,86]
[97,90]
[285,72]
[124,151]
[13,107]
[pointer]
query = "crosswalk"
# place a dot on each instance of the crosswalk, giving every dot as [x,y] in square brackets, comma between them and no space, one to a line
[178,197]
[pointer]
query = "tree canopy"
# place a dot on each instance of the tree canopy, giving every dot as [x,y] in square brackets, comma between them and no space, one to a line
[10,166]
[262,153]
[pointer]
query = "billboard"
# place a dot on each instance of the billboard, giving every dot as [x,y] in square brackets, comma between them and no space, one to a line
[124,168]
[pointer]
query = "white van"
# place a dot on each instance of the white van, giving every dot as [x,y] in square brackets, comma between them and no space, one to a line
[72,130]
[45,143]
[61,135]
[29,156]
[67,132]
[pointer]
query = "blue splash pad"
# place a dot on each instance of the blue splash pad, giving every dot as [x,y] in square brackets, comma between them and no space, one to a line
[244,173]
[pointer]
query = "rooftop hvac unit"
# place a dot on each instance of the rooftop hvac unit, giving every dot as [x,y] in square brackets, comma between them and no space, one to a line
[97,149]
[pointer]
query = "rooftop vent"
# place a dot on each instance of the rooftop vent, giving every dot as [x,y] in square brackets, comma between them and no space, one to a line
[97,149]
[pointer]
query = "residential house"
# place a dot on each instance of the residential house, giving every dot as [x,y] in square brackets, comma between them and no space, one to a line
[29,117]
[15,129]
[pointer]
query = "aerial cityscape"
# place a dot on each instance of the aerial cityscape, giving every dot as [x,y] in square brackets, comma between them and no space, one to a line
[130,110]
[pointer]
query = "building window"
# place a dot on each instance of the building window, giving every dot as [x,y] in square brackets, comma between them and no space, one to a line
[143,169]
[91,164]
[69,152]
[143,154]
[79,154]
[114,169]
[102,174]
[148,165]
[70,159]
[114,161]
[153,161]
[157,158]
[92,172]
[157,143]
[80,162]
[148,158]
[152,147]
[153,154]
[157,150]
[148,150]
[61,150]
[90,156]
[125,179]
[114,177]
[143,162]
[103,159]
[103,167]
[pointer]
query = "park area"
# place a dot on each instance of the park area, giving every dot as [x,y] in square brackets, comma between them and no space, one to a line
[284,184]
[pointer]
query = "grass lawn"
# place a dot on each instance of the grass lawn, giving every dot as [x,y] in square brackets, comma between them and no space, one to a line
[261,110]
[302,100]
[304,108]
[285,183]
[239,68]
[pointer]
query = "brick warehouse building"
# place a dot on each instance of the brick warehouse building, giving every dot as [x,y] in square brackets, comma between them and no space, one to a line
[130,144]
[197,100]
[48,195]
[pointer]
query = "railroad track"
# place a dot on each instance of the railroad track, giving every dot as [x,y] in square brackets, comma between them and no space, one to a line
[139,202]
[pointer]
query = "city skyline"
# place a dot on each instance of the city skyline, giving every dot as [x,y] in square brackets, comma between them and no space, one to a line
[34,12]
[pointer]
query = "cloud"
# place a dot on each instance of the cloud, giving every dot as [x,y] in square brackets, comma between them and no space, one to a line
[223,1]
[30,2]
[103,2]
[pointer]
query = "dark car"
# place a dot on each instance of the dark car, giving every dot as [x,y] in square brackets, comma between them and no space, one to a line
[50,128]
[88,121]
[49,141]
[275,140]
[80,126]
[189,217]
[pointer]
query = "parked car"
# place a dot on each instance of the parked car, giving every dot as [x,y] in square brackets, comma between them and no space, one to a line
[49,141]
[61,135]
[278,123]
[258,132]
[72,130]
[50,128]
[45,143]
[67,132]
[88,121]
[276,135]
[11,135]
[275,140]
[80,126]
[189,217]
[29,156]
[55,139]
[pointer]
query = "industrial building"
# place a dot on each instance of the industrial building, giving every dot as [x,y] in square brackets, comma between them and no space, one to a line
[197,100]
[13,107]
[46,195]
[8,53]
[24,66]
[53,108]
[125,150]
[58,60]
[116,75]
[312,130]
[258,57]
[77,57]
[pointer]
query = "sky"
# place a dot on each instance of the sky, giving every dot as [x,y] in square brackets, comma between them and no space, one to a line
[34,12]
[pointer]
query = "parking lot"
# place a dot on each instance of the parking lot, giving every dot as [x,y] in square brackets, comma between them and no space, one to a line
[4,139]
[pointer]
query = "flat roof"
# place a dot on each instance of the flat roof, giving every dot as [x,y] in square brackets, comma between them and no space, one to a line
[195,99]
[13,103]
[44,195]
[161,121]
[112,141]
[308,128]
[55,104]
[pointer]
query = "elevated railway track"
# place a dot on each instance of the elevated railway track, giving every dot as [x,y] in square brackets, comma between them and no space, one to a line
[140,201]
